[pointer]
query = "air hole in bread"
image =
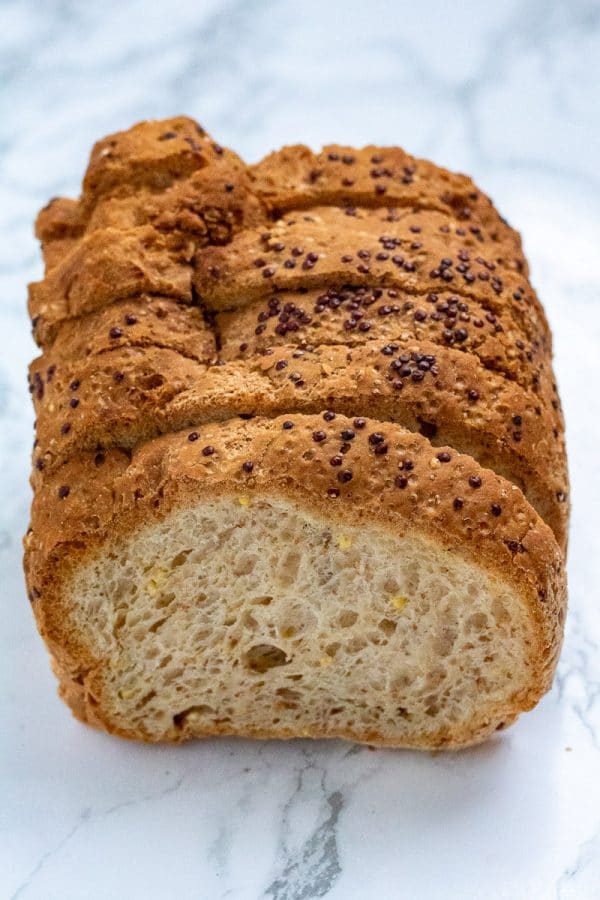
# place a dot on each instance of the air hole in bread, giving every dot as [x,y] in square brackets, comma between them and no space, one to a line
[387,626]
[193,713]
[347,618]
[477,622]
[152,382]
[263,657]
[427,429]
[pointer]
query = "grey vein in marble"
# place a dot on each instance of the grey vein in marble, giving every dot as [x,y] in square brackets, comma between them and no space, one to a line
[310,869]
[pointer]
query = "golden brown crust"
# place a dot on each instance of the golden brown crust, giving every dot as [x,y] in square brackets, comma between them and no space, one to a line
[132,244]
[151,155]
[209,207]
[296,178]
[144,321]
[168,175]
[332,247]
[353,316]
[146,159]
[206,208]
[59,227]
[61,217]
[130,395]
[105,266]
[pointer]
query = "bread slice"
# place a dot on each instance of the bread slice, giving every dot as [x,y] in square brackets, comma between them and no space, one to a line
[241,583]
[150,320]
[299,465]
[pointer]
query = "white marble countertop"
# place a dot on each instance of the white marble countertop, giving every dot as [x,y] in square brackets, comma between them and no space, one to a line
[509,92]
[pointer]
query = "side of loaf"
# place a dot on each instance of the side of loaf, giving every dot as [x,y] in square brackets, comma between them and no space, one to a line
[299,466]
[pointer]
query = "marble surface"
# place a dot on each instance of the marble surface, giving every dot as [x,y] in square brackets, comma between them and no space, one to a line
[509,92]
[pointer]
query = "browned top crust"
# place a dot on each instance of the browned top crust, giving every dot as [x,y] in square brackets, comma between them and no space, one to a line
[332,247]
[150,155]
[137,391]
[59,227]
[209,207]
[144,321]
[296,178]
[60,218]
[103,267]
[355,280]
[355,315]
[206,208]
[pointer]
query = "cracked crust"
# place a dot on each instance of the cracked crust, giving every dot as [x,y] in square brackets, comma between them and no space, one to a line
[296,178]
[209,207]
[332,247]
[131,394]
[151,155]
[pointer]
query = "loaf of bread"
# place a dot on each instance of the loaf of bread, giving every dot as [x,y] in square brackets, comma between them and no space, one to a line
[299,466]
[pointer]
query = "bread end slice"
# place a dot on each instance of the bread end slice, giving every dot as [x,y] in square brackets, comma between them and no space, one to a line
[230,594]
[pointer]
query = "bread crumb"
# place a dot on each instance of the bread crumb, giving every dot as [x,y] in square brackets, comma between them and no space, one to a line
[157,578]
[399,602]
[244,501]
[126,693]
[344,541]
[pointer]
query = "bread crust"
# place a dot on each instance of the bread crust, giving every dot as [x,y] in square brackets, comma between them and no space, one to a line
[416,252]
[58,227]
[106,266]
[206,208]
[148,204]
[131,394]
[354,316]
[148,320]
[296,178]
[151,155]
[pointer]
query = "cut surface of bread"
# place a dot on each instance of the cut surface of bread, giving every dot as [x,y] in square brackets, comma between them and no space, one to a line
[299,466]
[255,618]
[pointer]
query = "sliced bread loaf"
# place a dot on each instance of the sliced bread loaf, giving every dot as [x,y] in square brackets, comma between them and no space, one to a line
[299,466]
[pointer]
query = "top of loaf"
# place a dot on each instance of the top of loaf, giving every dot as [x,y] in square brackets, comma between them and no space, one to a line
[180,271]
